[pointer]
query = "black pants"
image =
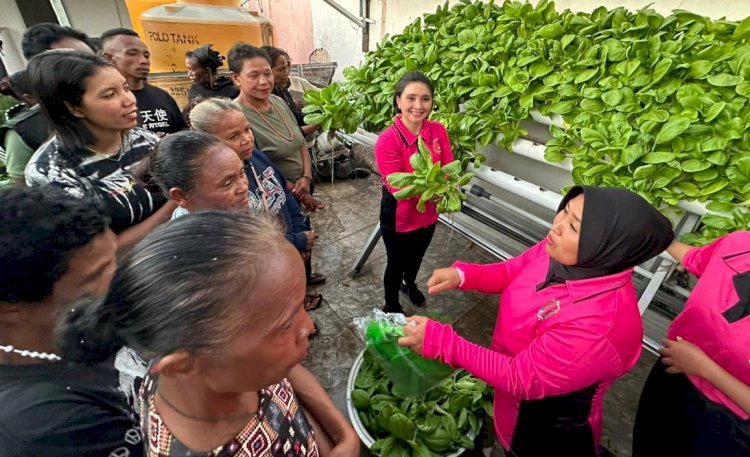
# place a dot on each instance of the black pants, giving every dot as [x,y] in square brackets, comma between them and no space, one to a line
[405,253]
[675,419]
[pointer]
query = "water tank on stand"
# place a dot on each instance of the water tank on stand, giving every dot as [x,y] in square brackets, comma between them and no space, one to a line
[171,30]
[136,7]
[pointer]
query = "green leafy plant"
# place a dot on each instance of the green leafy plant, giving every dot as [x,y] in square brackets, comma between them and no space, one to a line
[435,424]
[333,108]
[431,182]
[655,104]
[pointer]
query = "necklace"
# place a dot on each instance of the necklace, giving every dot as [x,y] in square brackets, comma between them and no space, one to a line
[273,107]
[201,419]
[31,354]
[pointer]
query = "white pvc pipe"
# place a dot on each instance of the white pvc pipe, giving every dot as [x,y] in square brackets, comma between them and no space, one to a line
[555,119]
[524,189]
[535,151]
[694,207]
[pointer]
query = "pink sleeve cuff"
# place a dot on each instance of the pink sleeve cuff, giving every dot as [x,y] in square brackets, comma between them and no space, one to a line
[461,275]
[432,340]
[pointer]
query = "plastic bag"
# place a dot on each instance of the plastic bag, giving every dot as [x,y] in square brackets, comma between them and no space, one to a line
[411,374]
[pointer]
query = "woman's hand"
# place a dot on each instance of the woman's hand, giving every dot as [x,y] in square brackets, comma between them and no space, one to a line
[443,279]
[347,445]
[684,357]
[311,238]
[301,187]
[414,331]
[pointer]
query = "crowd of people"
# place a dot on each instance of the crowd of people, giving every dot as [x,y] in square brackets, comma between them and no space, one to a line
[180,240]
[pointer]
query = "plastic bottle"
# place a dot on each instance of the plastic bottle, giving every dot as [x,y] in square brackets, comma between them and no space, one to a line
[411,374]
[171,30]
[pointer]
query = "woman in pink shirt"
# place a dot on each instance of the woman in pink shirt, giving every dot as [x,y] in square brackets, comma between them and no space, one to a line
[407,232]
[696,401]
[567,325]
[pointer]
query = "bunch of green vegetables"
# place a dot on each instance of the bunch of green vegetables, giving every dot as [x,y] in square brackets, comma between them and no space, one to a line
[655,104]
[442,421]
[432,182]
[333,108]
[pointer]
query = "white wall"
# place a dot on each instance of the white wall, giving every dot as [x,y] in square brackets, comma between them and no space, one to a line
[96,16]
[11,31]
[337,34]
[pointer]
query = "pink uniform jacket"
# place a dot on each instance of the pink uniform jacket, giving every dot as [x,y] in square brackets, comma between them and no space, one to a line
[555,341]
[702,321]
[394,148]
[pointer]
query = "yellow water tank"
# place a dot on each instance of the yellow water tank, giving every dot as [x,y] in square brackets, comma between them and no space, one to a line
[171,30]
[136,7]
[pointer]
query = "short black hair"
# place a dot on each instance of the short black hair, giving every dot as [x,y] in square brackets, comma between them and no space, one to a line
[20,83]
[274,54]
[113,33]
[241,52]
[40,37]
[59,79]
[39,227]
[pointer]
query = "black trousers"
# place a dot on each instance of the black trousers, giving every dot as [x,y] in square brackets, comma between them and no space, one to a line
[405,252]
[675,419]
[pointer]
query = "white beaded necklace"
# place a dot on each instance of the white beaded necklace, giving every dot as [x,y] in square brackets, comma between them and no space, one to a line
[30,354]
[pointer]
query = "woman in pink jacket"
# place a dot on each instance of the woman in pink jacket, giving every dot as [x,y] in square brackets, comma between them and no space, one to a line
[407,232]
[567,325]
[696,401]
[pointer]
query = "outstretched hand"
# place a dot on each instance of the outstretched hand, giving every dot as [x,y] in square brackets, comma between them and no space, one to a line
[443,279]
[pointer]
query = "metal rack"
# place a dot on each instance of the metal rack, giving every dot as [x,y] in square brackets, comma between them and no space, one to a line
[501,216]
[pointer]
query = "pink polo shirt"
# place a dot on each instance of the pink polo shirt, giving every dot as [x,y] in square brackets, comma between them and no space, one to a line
[394,148]
[702,321]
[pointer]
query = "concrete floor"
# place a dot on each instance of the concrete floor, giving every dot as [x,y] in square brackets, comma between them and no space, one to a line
[344,227]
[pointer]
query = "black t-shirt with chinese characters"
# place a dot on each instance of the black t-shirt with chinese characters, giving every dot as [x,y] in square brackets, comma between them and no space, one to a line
[66,410]
[158,110]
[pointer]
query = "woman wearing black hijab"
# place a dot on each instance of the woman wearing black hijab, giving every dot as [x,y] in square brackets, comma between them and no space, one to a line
[568,323]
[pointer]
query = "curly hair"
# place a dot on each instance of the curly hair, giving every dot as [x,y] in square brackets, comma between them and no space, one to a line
[241,52]
[39,227]
[40,37]
[206,57]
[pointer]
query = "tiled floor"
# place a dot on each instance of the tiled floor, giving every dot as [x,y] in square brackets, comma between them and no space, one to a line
[344,226]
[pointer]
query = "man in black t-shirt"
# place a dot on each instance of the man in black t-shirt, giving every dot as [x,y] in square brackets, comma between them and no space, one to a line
[54,250]
[129,54]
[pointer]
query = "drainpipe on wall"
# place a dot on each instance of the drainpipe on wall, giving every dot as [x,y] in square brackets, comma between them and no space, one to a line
[362,22]
[59,9]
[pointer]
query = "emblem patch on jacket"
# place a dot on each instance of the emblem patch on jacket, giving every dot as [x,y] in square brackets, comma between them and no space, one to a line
[552,307]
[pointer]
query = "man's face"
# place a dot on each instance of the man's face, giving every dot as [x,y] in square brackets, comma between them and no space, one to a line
[130,55]
[89,271]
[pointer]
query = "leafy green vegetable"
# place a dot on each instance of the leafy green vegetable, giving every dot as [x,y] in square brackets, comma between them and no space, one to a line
[438,423]
[431,182]
[640,93]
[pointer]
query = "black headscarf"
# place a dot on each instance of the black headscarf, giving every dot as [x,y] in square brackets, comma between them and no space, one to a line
[619,230]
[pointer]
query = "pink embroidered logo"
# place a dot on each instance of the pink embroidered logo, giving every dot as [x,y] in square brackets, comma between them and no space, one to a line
[548,310]
[436,147]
